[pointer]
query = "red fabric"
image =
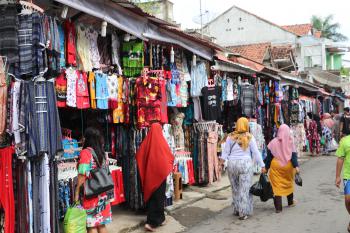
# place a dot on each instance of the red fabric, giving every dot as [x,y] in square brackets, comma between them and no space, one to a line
[70,40]
[154,159]
[61,90]
[119,197]
[190,172]
[83,100]
[7,199]
[164,102]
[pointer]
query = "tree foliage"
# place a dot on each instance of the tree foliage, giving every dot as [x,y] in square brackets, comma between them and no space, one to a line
[328,28]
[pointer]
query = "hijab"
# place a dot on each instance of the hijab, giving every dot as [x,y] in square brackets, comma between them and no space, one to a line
[154,160]
[327,120]
[241,135]
[282,146]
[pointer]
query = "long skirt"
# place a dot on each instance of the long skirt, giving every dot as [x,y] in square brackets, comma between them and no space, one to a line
[240,173]
[155,206]
[282,178]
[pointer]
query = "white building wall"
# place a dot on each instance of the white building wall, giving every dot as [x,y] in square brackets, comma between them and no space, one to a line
[236,27]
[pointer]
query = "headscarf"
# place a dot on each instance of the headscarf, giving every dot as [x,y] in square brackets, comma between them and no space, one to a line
[154,160]
[327,120]
[241,135]
[282,146]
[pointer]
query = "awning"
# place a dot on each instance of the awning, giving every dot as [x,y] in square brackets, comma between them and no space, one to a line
[136,24]
[228,66]
[326,78]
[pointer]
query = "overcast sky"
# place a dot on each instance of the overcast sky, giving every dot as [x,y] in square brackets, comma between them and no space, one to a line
[281,12]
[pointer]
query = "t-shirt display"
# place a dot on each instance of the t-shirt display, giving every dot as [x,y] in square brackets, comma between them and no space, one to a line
[211,101]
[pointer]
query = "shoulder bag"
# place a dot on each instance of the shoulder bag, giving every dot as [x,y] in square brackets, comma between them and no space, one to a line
[100,180]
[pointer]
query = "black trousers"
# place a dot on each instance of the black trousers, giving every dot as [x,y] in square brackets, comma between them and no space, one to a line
[278,201]
[155,206]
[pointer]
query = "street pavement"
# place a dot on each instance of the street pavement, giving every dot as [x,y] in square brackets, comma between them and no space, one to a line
[320,208]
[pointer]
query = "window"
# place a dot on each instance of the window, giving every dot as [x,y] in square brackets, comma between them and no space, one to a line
[308,61]
[228,20]
[240,19]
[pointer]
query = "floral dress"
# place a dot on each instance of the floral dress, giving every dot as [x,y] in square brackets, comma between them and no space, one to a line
[98,209]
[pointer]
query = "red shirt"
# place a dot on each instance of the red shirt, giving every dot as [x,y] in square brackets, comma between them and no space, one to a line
[70,39]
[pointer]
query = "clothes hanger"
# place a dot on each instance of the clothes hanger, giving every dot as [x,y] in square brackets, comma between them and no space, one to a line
[31,5]
[40,77]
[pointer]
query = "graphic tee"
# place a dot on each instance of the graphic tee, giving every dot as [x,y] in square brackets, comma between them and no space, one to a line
[211,103]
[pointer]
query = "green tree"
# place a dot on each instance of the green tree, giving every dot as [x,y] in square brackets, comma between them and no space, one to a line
[328,28]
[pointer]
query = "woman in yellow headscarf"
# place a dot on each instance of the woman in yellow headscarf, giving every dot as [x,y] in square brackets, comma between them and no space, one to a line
[239,150]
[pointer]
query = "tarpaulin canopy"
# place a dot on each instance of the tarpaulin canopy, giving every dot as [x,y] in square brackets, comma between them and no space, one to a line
[136,24]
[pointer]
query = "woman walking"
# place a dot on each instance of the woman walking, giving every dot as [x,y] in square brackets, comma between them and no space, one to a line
[327,129]
[282,162]
[155,162]
[240,148]
[98,209]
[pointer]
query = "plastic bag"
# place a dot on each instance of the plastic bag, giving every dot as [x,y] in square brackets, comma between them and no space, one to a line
[262,188]
[298,180]
[75,220]
[256,189]
[333,145]
[267,188]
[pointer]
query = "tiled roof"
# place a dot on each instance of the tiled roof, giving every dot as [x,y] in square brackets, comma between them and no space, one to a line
[255,52]
[299,29]
[281,52]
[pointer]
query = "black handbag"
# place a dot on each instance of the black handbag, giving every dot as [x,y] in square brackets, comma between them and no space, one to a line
[100,180]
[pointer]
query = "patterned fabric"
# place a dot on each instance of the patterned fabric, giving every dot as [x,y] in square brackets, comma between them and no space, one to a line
[8,31]
[25,43]
[327,135]
[98,209]
[313,137]
[38,44]
[248,99]
[240,175]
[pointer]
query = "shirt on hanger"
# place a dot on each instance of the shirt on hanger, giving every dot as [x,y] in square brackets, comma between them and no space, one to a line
[72,77]
[211,102]
[70,43]
[101,90]
[83,101]
[92,88]
[61,90]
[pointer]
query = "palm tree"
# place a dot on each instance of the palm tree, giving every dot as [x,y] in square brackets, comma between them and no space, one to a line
[327,28]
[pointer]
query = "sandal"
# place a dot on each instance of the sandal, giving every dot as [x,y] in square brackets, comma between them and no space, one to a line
[149,228]
[349,228]
[243,218]
[294,204]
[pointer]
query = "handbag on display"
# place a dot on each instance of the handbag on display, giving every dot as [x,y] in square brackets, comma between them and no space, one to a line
[100,180]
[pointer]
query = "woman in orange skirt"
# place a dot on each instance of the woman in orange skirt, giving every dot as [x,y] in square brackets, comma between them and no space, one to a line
[282,163]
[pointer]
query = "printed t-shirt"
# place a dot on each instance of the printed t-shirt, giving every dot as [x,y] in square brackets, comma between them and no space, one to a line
[83,101]
[101,90]
[61,90]
[343,151]
[118,113]
[92,88]
[72,76]
[211,101]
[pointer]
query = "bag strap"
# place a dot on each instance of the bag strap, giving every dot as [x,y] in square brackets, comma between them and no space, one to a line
[232,146]
[94,155]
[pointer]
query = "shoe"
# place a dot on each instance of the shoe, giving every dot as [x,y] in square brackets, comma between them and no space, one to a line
[236,214]
[243,218]
[149,228]
[278,211]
